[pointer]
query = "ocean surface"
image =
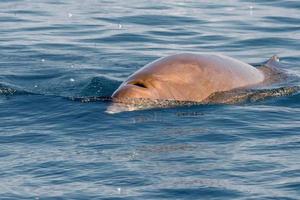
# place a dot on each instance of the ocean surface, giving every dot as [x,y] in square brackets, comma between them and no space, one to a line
[55,147]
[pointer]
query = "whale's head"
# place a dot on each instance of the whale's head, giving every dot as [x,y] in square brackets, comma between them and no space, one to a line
[186,78]
[138,88]
[171,78]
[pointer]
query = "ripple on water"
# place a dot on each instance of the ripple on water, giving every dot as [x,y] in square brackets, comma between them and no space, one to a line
[54,148]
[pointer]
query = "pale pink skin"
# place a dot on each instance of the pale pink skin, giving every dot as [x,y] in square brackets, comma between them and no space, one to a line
[188,77]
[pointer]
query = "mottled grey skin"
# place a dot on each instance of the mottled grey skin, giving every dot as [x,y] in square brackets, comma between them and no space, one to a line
[188,77]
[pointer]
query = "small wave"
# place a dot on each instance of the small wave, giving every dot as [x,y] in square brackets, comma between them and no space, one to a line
[153,20]
[91,99]
[246,96]
[99,86]
[6,90]
[228,97]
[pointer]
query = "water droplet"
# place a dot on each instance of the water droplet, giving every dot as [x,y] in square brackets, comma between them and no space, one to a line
[119,190]
[70,15]
[72,66]
[251,10]
[230,9]
[35,86]
[276,58]
[43,60]
[120,26]
[133,155]
[72,79]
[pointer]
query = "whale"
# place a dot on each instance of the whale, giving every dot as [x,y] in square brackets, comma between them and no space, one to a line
[186,79]
[191,77]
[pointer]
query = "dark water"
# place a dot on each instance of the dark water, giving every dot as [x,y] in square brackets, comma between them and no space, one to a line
[54,148]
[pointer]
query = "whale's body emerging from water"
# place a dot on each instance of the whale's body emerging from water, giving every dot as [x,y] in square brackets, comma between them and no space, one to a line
[189,77]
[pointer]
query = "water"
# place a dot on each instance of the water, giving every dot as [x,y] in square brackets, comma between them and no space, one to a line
[52,147]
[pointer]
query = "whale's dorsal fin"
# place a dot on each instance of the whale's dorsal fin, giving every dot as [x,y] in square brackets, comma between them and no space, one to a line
[273,71]
[273,62]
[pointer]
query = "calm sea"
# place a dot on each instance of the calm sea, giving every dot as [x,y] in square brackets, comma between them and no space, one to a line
[52,147]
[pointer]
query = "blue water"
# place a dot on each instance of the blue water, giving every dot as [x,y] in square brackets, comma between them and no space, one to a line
[52,147]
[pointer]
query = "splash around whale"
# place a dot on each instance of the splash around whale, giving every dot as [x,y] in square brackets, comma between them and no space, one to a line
[188,78]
